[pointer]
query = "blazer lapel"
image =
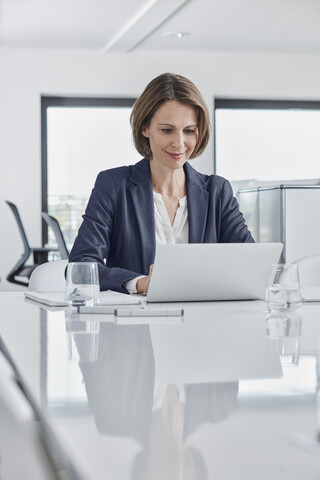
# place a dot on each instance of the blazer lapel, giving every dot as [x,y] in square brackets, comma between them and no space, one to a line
[142,199]
[198,203]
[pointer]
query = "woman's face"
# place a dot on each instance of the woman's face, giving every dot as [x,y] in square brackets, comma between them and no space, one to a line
[173,134]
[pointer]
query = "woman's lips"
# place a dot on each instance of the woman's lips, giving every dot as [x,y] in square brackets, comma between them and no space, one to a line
[176,156]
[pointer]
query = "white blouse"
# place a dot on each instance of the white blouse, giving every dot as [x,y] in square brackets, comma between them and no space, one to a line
[165,232]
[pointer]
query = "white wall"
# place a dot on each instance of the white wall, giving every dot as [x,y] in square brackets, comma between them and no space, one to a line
[26,74]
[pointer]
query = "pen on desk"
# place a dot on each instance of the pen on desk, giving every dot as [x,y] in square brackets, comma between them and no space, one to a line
[107,309]
[174,312]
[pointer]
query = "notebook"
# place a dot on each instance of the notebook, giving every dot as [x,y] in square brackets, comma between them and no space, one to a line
[211,271]
[106,298]
[311,294]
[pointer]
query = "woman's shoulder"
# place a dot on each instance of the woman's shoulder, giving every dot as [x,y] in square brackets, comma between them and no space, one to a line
[119,174]
[204,180]
[116,172]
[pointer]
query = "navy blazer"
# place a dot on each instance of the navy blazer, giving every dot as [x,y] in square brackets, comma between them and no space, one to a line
[118,229]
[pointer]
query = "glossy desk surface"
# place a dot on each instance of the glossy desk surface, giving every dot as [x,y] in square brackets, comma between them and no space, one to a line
[223,393]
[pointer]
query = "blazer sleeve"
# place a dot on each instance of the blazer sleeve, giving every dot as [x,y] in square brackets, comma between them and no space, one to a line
[233,228]
[94,238]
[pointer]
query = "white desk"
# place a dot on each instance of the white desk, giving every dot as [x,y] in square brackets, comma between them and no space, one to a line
[207,397]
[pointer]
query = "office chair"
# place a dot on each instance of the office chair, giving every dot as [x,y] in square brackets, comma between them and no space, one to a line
[49,277]
[54,224]
[40,254]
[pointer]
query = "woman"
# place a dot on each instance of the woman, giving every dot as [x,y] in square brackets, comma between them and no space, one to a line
[161,199]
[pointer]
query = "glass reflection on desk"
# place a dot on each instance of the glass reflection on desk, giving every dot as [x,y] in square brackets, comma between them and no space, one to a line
[284,329]
[82,337]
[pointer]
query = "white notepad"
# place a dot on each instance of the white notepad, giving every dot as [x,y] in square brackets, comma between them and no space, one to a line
[311,294]
[52,299]
[109,297]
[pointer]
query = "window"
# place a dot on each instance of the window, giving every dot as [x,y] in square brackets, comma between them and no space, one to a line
[267,140]
[80,137]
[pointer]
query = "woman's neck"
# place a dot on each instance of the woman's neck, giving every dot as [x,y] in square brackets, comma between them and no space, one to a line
[168,182]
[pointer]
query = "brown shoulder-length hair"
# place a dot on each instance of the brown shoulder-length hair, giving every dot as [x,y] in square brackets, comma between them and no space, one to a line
[161,89]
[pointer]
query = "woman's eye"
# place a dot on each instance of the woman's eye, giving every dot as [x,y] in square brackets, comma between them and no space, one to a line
[166,130]
[189,131]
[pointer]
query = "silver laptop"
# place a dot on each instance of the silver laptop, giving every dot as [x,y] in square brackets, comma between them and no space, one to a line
[211,271]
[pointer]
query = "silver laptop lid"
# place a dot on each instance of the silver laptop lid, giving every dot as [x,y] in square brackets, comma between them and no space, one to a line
[211,271]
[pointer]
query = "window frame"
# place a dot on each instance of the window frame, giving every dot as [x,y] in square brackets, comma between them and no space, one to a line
[62,101]
[256,104]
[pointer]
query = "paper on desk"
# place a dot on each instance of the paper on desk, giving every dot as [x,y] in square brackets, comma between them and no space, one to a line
[53,299]
[109,297]
[311,294]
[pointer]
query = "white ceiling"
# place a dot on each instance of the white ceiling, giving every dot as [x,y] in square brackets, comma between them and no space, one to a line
[140,25]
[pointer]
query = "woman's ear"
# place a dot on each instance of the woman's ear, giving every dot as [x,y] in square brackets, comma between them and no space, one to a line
[145,132]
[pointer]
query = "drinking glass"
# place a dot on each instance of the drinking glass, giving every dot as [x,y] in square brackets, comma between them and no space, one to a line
[82,284]
[283,290]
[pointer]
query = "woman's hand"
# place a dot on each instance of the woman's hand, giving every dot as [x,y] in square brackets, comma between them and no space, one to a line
[143,283]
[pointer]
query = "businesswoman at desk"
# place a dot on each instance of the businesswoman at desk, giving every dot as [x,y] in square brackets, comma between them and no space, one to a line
[160,199]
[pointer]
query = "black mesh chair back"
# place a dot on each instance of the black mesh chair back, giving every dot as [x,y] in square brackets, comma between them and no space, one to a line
[27,249]
[54,224]
[21,272]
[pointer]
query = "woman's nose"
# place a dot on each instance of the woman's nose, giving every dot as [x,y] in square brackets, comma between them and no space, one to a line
[178,141]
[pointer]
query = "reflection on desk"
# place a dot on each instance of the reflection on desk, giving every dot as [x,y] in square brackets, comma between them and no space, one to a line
[209,397]
[128,400]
